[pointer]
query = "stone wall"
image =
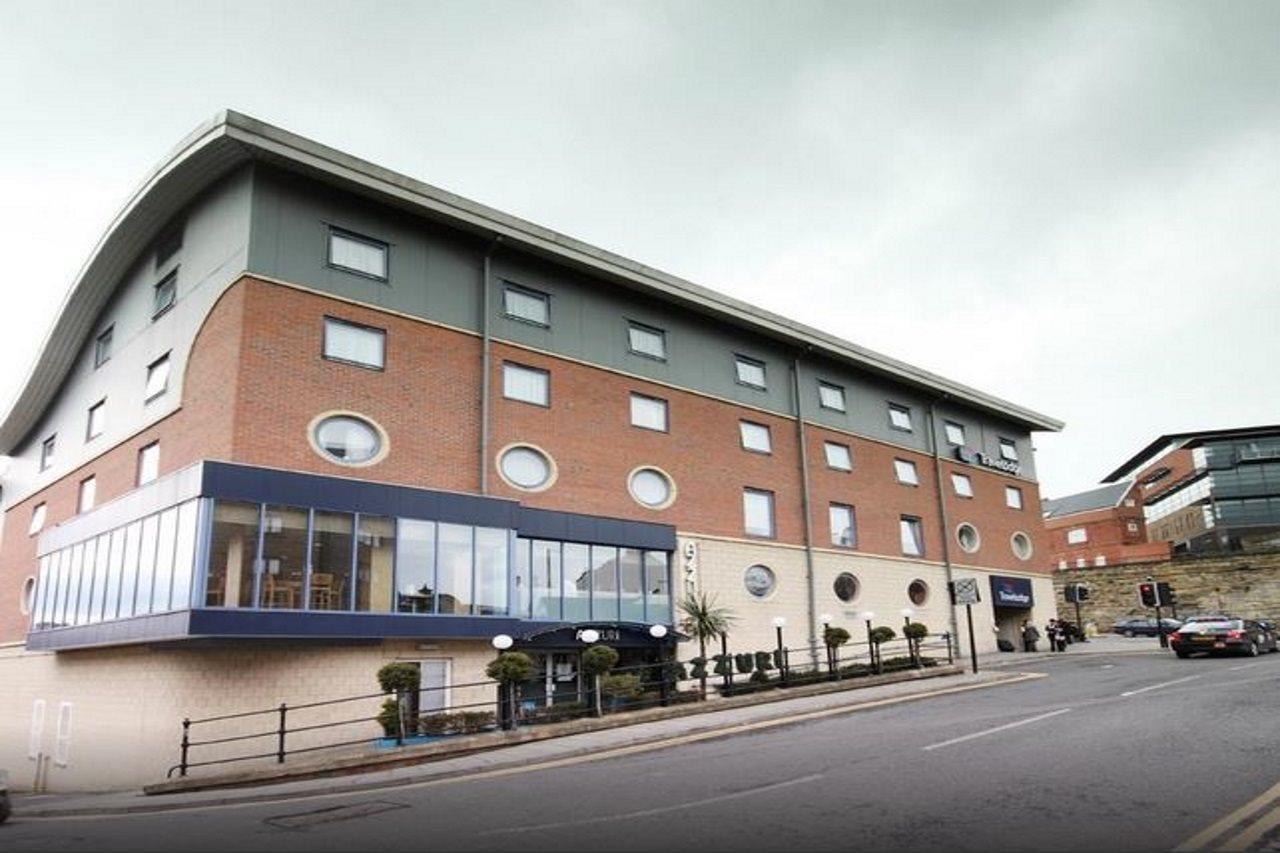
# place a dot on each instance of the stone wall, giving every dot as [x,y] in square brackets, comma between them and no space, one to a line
[1245,585]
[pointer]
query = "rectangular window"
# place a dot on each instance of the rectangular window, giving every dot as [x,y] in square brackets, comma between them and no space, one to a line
[102,347]
[544,570]
[529,306]
[604,582]
[577,582]
[1077,536]
[331,545]
[648,412]
[1132,526]
[911,531]
[165,294]
[900,417]
[492,546]
[1008,450]
[647,341]
[755,437]
[1013,497]
[282,567]
[631,585]
[375,547]
[97,420]
[757,512]
[148,463]
[88,494]
[415,569]
[843,528]
[749,371]
[37,519]
[360,255]
[354,343]
[168,244]
[233,548]
[955,433]
[838,456]
[906,472]
[830,396]
[157,378]
[454,549]
[47,450]
[526,384]
[962,484]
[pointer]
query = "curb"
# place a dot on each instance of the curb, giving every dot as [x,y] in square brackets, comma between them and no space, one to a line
[659,741]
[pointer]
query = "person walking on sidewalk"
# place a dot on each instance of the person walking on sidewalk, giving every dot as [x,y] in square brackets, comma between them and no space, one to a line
[1030,636]
[1054,633]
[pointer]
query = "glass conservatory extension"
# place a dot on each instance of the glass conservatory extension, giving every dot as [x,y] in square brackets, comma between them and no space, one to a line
[215,553]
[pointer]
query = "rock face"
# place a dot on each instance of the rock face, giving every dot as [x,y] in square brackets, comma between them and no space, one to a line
[1245,585]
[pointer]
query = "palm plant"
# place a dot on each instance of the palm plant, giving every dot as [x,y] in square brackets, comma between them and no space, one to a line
[704,618]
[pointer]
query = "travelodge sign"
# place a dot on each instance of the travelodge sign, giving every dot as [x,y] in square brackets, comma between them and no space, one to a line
[977,457]
[1011,592]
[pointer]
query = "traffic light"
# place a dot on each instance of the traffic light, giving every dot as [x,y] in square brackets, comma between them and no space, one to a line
[1167,598]
[1149,594]
[1082,593]
[1076,593]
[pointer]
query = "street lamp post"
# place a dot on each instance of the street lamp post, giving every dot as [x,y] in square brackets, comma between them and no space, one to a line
[871,647]
[907,613]
[664,682]
[506,692]
[826,623]
[779,622]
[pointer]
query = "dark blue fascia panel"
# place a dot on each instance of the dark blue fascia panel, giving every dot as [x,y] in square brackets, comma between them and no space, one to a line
[284,623]
[139,629]
[229,481]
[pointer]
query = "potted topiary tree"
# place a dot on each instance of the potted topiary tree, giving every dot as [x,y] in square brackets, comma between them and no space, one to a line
[834,638]
[882,634]
[915,632]
[398,717]
[509,669]
[705,620]
[596,661]
[619,688]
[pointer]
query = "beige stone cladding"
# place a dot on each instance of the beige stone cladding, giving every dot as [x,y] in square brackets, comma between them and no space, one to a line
[717,566]
[127,703]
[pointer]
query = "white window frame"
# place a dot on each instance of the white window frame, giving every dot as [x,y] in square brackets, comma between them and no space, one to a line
[519,290]
[956,479]
[336,233]
[163,367]
[48,452]
[62,745]
[741,361]
[916,525]
[97,418]
[143,467]
[348,325]
[102,345]
[951,428]
[169,286]
[1008,449]
[828,388]
[896,410]
[39,514]
[1077,536]
[852,527]
[848,453]
[773,520]
[1013,497]
[749,433]
[511,369]
[645,331]
[638,403]
[900,467]
[87,495]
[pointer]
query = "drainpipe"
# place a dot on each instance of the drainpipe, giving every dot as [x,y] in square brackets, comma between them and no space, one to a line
[808,520]
[485,364]
[942,514]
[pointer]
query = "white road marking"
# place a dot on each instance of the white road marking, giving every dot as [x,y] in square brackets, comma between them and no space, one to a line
[1160,685]
[675,807]
[1108,666]
[1244,666]
[986,732]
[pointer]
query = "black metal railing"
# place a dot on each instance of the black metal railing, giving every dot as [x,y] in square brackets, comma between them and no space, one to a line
[652,685]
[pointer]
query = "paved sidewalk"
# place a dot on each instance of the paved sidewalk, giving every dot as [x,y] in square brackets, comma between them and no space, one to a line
[706,725]
[1103,644]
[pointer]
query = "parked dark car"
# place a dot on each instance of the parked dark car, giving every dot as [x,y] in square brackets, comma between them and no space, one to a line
[1143,627]
[1223,635]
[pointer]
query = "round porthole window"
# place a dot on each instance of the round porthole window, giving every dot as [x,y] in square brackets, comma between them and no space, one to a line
[526,467]
[846,587]
[918,592]
[651,487]
[967,536]
[1021,543]
[348,439]
[759,580]
[28,595]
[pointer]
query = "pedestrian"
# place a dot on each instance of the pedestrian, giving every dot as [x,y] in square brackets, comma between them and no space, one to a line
[1051,632]
[1059,636]
[1030,636]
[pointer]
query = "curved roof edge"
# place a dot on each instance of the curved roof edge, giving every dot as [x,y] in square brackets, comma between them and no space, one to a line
[231,137]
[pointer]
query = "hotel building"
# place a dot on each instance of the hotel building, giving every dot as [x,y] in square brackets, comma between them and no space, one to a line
[301,416]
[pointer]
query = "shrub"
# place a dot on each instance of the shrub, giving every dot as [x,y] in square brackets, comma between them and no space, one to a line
[915,631]
[724,664]
[620,686]
[389,717]
[882,634]
[399,678]
[764,661]
[760,677]
[597,660]
[461,722]
[675,671]
[699,668]
[510,668]
[835,637]
[744,662]
[476,721]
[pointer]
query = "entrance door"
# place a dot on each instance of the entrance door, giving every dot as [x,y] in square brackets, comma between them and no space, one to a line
[564,680]
[435,686]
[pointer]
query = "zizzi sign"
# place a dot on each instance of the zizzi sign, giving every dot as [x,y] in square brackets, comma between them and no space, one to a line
[977,457]
[607,635]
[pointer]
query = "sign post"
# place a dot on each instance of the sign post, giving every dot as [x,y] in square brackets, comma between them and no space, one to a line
[965,591]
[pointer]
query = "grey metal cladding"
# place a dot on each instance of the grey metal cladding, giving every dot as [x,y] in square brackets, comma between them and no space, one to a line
[433,273]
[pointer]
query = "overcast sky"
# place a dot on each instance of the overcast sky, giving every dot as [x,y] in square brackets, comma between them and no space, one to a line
[1073,206]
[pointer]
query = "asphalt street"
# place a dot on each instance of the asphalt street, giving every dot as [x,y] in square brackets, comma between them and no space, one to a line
[1109,752]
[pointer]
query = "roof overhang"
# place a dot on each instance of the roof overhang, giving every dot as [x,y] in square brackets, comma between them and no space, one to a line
[231,138]
[1175,440]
